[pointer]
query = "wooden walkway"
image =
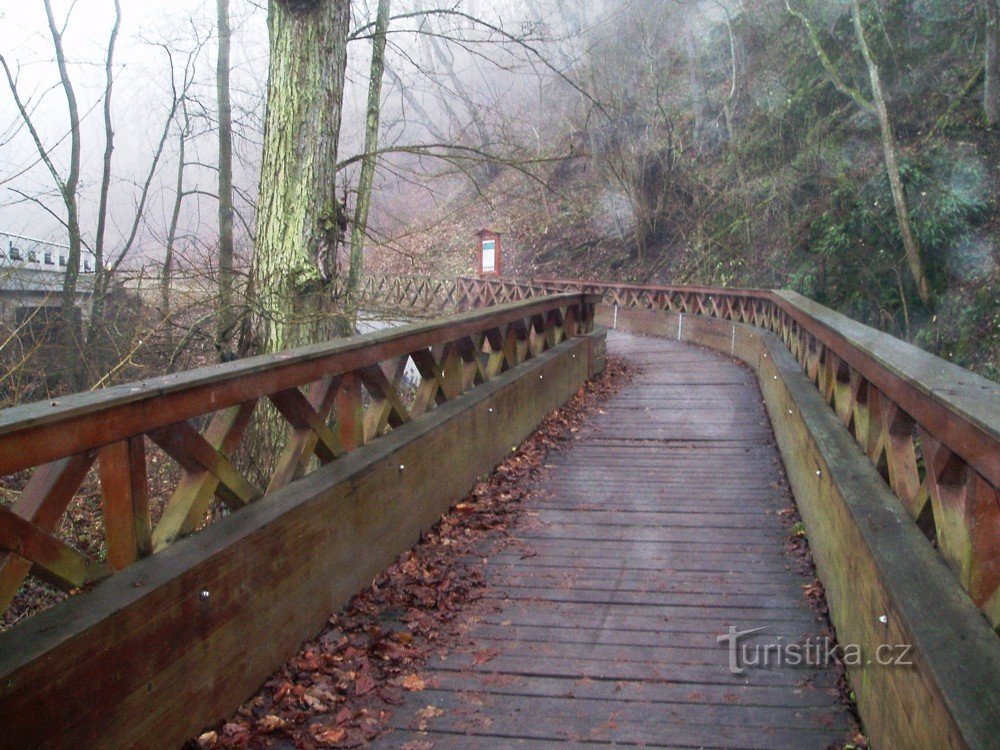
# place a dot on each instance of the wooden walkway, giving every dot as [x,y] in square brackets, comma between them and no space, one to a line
[652,534]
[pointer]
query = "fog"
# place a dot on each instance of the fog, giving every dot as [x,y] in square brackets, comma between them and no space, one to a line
[448,81]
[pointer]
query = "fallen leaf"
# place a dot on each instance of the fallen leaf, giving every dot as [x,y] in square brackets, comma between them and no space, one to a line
[481,657]
[270,723]
[430,712]
[232,729]
[413,682]
[364,684]
[327,735]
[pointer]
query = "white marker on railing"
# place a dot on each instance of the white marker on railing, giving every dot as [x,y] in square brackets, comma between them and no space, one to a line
[615,324]
[680,327]
[732,346]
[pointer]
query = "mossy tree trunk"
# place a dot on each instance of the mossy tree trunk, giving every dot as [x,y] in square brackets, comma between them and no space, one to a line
[299,219]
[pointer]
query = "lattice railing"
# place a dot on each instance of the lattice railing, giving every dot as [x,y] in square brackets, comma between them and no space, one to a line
[417,294]
[330,399]
[930,427]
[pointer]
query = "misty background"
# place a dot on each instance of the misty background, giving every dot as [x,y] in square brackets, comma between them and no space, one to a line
[656,141]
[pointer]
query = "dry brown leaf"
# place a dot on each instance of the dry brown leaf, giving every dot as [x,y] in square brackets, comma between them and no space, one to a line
[413,682]
[270,723]
[327,735]
[430,712]
[363,684]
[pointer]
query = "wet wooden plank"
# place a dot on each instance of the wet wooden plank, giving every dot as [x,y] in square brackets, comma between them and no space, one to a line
[649,536]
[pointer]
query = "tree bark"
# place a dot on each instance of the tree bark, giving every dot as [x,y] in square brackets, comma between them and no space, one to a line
[168,259]
[69,190]
[97,331]
[991,85]
[226,321]
[911,244]
[696,84]
[298,222]
[363,202]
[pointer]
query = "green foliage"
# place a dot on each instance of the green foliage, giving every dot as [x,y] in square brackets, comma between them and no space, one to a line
[855,258]
[966,330]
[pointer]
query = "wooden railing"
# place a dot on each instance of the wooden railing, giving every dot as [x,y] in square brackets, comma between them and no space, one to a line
[930,427]
[330,398]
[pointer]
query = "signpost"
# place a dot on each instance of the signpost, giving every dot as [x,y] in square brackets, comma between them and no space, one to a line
[488,253]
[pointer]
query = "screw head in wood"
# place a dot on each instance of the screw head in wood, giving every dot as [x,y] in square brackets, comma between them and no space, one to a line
[203,595]
[401,467]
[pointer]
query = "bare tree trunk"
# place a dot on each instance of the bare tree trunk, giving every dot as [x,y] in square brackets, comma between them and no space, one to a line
[991,86]
[371,147]
[299,217]
[70,197]
[734,144]
[911,245]
[697,86]
[96,330]
[168,259]
[226,322]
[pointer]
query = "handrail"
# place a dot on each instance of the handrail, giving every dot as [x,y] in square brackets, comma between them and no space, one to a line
[62,439]
[932,428]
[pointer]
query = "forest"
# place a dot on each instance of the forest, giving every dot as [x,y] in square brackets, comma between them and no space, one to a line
[235,167]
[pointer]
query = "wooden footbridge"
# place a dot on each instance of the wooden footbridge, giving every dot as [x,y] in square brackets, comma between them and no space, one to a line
[656,533]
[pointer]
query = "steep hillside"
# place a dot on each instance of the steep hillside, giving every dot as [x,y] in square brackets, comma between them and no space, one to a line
[779,180]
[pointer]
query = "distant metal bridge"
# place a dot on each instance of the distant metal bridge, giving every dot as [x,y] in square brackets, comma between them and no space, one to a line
[32,273]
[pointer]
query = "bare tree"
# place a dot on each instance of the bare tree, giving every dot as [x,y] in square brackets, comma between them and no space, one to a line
[68,186]
[85,361]
[372,114]
[911,245]
[226,319]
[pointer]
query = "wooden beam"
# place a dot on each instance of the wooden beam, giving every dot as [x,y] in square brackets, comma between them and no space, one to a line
[43,502]
[295,407]
[349,412]
[190,501]
[305,441]
[63,564]
[125,493]
[185,444]
[379,414]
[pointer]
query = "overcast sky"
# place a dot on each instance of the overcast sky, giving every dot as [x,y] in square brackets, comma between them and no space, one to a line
[140,101]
